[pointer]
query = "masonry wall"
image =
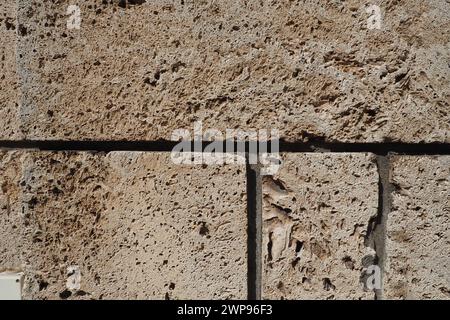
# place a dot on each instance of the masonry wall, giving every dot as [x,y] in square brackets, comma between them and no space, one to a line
[94,205]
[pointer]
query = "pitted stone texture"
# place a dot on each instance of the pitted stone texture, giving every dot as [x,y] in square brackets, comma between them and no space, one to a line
[10,219]
[131,225]
[9,96]
[316,213]
[418,229]
[312,69]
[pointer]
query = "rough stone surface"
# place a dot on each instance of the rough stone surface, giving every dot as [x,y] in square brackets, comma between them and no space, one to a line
[312,69]
[126,225]
[316,213]
[418,229]
[9,96]
[10,222]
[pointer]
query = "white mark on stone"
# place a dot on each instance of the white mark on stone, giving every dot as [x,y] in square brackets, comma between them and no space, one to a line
[74,21]
[374,20]
[374,279]
[73,282]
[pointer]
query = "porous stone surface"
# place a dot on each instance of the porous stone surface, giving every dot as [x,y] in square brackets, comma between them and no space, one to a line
[126,225]
[10,222]
[317,211]
[418,229]
[9,90]
[137,70]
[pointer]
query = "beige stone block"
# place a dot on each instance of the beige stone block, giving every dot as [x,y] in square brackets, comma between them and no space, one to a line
[10,221]
[418,232]
[317,211]
[9,91]
[130,225]
[310,69]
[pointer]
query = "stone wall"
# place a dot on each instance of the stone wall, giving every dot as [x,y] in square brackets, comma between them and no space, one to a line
[94,204]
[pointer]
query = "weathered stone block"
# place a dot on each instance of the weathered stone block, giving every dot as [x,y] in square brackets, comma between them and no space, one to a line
[128,225]
[418,229]
[138,70]
[317,211]
[10,222]
[9,92]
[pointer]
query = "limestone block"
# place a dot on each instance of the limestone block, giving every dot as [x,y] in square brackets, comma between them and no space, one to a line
[10,221]
[317,211]
[418,229]
[9,91]
[137,70]
[129,225]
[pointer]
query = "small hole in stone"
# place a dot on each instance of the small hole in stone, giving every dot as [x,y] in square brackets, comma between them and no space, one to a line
[65,294]
[327,285]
